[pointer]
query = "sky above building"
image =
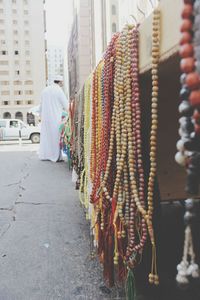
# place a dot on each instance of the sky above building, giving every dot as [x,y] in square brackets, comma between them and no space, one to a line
[59,18]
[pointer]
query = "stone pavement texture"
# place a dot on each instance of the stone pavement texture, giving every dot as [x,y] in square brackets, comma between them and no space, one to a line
[44,237]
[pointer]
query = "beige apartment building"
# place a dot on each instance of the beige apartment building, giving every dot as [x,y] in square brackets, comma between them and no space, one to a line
[80,46]
[22,57]
[55,61]
[95,21]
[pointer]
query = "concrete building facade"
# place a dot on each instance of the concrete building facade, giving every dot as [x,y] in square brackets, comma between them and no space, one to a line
[104,23]
[95,21]
[55,61]
[22,57]
[80,46]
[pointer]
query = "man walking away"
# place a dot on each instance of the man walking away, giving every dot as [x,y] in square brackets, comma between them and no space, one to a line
[53,102]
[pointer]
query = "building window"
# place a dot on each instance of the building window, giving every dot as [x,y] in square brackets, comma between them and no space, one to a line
[17,72]
[4,73]
[114,27]
[27,42]
[7,115]
[19,115]
[27,52]
[14,11]
[25,12]
[1,21]
[1,11]
[28,82]
[25,1]
[16,42]
[17,62]
[5,103]
[113,10]
[18,92]
[14,1]
[28,62]
[29,102]
[26,32]
[16,52]
[30,92]
[4,52]
[17,82]
[15,32]
[3,42]
[28,72]
[4,82]
[4,93]
[3,62]
[2,32]
[18,102]
[26,22]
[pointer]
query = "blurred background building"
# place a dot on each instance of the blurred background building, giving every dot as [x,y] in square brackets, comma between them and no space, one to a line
[93,26]
[55,62]
[94,23]
[80,46]
[22,57]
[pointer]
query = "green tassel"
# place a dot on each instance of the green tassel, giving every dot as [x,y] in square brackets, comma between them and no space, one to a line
[130,286]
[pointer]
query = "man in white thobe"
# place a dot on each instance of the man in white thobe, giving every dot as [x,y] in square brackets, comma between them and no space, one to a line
[53,102]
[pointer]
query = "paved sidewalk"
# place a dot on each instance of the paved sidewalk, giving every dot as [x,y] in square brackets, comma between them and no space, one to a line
[44,237]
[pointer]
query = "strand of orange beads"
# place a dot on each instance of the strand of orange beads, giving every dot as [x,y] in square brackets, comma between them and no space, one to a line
[117,139]
[94,126]
[102,206]
[107,105]
[95,141]
[96,121]
[115,128]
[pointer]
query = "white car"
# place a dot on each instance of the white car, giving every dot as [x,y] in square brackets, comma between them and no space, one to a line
[13,129]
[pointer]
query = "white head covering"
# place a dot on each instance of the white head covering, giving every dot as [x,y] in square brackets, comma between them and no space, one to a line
[58,78]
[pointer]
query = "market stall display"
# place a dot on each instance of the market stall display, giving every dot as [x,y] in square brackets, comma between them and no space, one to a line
[121,196]
[125,144]
[189,144]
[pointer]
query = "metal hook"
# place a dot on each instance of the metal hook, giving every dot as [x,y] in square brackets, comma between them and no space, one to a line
[151,4]
[154,3]
[134,18]
[141,11]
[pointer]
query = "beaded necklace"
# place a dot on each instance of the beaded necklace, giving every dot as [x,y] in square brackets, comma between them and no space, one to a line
[85,173]
[189,144]
[123,216]
[122,131]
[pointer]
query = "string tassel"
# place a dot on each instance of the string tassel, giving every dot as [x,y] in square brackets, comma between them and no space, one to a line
[130,286]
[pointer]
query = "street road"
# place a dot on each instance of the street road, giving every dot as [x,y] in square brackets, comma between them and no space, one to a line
[13,146]
[44,237]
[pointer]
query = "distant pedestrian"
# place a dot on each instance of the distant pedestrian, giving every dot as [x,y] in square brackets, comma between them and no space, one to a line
[53,102]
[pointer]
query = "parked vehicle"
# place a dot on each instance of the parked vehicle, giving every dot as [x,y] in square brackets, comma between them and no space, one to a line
[13,129]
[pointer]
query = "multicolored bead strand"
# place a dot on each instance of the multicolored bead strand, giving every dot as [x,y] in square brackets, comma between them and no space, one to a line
[189,145]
